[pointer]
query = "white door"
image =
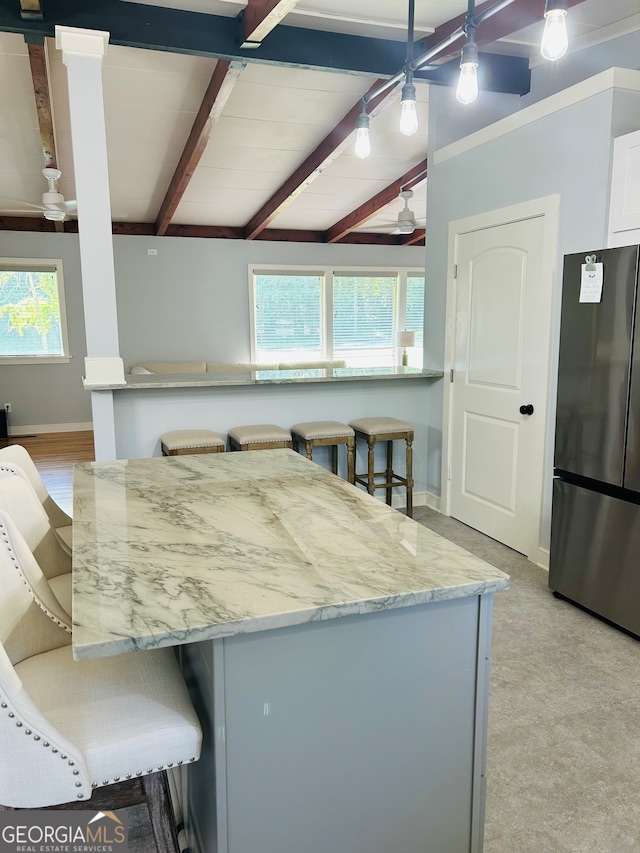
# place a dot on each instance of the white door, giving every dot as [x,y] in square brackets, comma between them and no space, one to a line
[502,332]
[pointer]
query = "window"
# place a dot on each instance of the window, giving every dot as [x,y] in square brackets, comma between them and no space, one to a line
[306,315]
[288,311]
[32,321]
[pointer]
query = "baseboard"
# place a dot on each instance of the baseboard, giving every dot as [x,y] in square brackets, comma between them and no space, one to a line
[433,501]
[541,558]
[35,429]
[399,501]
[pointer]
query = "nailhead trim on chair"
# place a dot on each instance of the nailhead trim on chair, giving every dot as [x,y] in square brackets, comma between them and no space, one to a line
[5,535]
[29,732]
[37,737]
[139,773]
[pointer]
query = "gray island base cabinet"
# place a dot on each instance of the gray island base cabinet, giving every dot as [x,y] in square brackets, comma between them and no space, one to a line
[360,735]
[337,652]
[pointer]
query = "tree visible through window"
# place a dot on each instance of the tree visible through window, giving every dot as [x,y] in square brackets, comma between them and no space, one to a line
[31,321]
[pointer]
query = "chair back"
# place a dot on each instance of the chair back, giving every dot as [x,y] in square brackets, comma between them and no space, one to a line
[32,620]
[16,454]
[19,499]
[32,623]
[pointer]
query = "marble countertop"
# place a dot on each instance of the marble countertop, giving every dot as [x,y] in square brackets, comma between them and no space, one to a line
[264,377]
[187,548]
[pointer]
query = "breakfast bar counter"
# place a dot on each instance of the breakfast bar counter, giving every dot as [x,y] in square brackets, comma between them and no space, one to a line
[337,651]
[304,376]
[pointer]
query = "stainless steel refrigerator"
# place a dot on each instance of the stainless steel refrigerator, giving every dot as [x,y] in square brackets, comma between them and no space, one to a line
[595,521]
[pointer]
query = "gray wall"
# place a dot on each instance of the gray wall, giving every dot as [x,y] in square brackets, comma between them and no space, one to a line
[567,153]
[448,121]
[190,301]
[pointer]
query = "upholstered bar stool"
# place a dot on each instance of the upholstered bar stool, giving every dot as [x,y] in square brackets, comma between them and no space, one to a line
[388,430]
[259,437]
[327,434]
[180,442]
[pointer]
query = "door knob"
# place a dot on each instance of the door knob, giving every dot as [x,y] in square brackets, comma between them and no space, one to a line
[526,410]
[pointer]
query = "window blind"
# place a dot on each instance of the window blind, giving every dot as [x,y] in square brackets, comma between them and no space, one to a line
[364,308]
[288,316]
[414,321]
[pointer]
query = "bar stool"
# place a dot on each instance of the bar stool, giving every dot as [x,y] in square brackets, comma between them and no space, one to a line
[388,430]
[327,434]
[259,437]
[180,442]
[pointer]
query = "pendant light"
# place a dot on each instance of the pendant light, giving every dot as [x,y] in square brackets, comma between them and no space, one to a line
[553,46]
[467,88]
[363,142]
[408,106]
[555,41]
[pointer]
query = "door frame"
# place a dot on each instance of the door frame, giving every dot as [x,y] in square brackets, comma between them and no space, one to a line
[547,207]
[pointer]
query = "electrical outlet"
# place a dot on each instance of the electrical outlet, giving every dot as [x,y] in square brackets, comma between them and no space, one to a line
[7,407]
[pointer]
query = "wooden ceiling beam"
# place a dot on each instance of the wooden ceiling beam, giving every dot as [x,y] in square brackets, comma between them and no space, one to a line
[41,90]
[42,93]
[415,239]
[262,16]
[31,10]
[511,19]
[375,204]
[198,33]
[328,150]
[34,223]
[208,232]
[223,79]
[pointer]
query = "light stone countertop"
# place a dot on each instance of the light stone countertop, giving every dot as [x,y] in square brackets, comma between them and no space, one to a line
[263,377]
[186,548]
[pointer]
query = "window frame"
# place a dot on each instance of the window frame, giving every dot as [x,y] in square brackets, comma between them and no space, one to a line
[327,273]
[41,265]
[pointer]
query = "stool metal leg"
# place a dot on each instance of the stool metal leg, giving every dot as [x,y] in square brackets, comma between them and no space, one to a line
[410,477]
[370,463]
[389,474]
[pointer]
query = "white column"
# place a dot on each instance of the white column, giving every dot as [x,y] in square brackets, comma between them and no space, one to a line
[82,53]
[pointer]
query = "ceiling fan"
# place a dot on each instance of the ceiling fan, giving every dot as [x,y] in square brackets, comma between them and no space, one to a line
[406,223]
[53,206]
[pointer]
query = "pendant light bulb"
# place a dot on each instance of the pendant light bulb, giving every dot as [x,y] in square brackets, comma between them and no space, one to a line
[467,88]
[555,41]
[408,110]
[362,147]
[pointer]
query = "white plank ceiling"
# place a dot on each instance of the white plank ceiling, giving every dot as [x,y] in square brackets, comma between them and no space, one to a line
[273,119]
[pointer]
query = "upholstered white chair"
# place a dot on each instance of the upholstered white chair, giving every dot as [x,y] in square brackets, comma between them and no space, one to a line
[70,728]
[18,497]
[16,454]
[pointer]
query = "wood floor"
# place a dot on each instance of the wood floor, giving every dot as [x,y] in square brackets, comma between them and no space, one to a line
[54,454]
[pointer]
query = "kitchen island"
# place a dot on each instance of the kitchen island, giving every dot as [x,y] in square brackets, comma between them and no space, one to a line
[337,652]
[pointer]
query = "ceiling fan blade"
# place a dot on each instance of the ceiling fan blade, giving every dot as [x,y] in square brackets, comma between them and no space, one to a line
[20,202]
[420,223]
[19,212]
[70,206]
[389,228]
